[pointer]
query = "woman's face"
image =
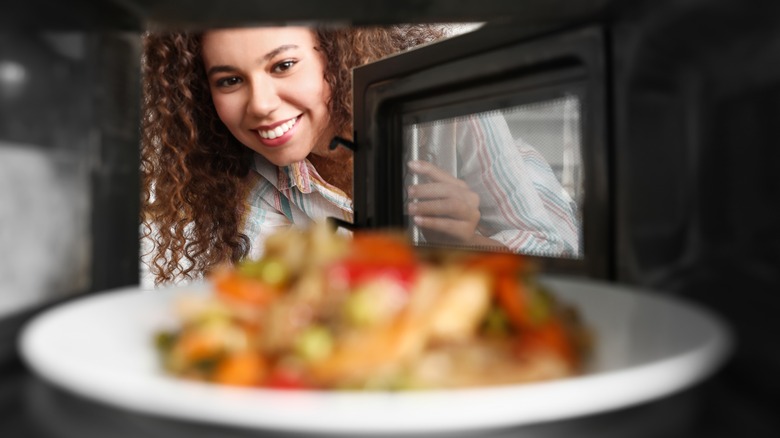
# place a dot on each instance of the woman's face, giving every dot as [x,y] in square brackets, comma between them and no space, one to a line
[269,89]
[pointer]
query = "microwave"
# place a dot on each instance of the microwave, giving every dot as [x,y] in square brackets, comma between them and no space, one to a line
[664,117]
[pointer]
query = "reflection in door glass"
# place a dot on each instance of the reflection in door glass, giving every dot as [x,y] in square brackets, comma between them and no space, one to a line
[501,179]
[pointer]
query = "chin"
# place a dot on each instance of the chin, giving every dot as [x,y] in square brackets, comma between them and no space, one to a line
[282,160]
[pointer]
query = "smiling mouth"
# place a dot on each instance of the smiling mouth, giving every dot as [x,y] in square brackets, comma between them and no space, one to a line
[279,131]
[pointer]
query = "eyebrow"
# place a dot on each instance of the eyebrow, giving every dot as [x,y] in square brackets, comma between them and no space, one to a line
[265,58]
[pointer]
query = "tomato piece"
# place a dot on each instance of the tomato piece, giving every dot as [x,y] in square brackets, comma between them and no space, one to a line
[351,273]
[285,380]
[376,255]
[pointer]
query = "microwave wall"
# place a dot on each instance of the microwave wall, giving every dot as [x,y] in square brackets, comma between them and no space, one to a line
[69,188]
[695,157]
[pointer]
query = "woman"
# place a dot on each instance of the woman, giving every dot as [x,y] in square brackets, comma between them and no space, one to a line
[236,129]
[236,133]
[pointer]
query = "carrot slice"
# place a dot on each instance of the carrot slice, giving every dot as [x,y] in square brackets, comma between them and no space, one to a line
[381,248]
[232,286]
[194,346]
[512,298]
[241,369]
[499,263]
[551,337]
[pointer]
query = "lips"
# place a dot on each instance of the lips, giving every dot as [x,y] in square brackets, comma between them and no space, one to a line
[277,134]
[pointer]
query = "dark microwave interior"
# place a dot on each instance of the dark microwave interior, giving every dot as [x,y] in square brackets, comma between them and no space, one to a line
[520,124]
[672,106]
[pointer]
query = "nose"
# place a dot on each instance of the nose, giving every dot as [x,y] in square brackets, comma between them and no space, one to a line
[264,98]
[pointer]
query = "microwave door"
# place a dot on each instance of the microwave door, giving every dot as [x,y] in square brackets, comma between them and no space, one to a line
[520,122]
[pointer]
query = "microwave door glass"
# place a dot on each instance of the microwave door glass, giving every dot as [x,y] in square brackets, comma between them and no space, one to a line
[525,164]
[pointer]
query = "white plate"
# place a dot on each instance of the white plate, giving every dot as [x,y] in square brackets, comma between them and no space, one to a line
[648,346]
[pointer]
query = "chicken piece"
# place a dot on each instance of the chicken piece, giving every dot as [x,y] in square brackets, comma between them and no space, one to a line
[461,306]
[365,351]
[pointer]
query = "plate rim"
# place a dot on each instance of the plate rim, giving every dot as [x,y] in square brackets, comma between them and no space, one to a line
[698,364]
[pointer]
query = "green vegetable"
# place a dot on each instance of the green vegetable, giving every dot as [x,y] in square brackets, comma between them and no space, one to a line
[164,342]
[496,322]
[269,270]
[539,304]
[206,366]
[360,308]
[314,344]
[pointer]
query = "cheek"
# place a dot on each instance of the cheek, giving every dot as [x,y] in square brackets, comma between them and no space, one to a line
[228,109]
[323,98]
[325,92]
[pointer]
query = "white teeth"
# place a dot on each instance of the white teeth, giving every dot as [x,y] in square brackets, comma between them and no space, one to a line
[279,130]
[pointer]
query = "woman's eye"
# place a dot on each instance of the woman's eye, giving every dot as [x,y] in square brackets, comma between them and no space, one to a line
[284,66]
[228,82]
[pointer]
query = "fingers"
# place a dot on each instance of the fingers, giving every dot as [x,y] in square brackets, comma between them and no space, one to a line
[445,204]
[439,190]
[445,207]
[458,229]
[455,216]
[444,200]
[434,173]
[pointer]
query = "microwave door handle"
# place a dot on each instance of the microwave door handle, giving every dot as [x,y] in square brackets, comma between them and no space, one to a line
[337,223]
[339,141]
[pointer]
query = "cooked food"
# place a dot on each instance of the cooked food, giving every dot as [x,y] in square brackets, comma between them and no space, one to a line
[323,311]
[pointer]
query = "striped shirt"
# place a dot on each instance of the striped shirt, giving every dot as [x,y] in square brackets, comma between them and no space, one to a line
[294,194]
[523,205]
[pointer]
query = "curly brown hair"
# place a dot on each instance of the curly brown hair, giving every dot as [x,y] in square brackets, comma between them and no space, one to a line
[194,173]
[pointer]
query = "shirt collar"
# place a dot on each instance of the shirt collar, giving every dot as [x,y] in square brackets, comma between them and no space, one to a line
[301,175]
[286,177]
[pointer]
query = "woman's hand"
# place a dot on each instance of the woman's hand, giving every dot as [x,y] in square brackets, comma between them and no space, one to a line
[443,205]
